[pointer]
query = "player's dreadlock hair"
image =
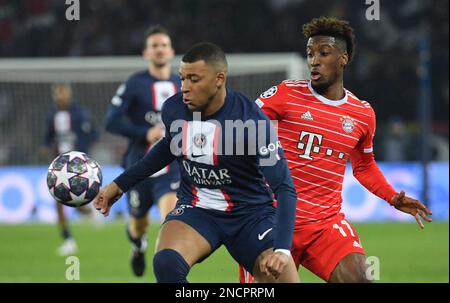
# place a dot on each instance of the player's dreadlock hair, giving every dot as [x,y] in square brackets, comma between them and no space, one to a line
[328,26]
[154,29]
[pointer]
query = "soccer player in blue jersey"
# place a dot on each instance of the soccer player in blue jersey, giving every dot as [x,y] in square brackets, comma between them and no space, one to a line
[135,114]
[230,171]
[69,127]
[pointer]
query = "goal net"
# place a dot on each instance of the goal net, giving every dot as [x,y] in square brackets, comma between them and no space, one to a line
[25,95]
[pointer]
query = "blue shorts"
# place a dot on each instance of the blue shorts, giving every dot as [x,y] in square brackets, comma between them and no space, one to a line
[143,195]
[244,235]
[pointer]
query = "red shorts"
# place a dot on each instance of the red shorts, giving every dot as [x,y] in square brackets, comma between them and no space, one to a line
[320,247]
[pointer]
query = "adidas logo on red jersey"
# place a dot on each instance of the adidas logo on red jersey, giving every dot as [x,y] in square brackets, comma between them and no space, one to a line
[307,116]
[356,244]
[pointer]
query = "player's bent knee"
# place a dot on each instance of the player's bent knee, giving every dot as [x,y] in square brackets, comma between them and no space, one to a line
[351,269]
[170,267]
[350,278]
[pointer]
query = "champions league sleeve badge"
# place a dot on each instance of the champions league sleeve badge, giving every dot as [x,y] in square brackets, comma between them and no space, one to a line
[269,93]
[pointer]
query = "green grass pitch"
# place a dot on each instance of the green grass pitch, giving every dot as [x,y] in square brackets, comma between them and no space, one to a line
[27,254]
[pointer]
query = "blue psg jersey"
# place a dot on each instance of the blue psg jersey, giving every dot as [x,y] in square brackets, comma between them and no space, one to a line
[70,129]
[213,173]
[136,107]
[226,165]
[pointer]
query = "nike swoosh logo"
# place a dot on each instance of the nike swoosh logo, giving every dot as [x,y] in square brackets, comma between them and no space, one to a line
[196,156]
[261,236]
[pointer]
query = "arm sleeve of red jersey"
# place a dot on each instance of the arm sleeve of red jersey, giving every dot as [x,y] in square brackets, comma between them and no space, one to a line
[272,102]
[366,170]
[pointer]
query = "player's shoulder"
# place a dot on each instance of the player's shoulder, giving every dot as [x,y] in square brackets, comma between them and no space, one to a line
[137,76]
[241,100]
[75,107]
[238,97]
[174,78]
[299,83]
[353,99]
[173,105]
[242,106]
[284,87]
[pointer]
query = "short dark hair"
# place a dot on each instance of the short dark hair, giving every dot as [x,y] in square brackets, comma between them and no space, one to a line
[329,26]
[155,29]
[208,52]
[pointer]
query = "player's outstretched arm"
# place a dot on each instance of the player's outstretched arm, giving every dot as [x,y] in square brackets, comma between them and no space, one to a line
[157,158]
[411,206]
[366,171]
[279,179]
[117,120]
[273,165]
[106,197]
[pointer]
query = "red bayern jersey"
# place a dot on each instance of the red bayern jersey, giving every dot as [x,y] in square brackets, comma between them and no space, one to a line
[318,135]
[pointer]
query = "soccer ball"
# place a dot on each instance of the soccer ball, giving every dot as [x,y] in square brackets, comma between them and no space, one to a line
[74,178]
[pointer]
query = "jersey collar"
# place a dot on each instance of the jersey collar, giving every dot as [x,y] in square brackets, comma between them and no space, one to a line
[328,101]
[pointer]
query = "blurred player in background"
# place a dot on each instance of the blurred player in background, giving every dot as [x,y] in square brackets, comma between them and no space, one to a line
[321,125]
[223,197]
[135,114]
[69,127]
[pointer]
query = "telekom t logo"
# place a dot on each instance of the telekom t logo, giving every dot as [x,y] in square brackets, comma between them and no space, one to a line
[312,145]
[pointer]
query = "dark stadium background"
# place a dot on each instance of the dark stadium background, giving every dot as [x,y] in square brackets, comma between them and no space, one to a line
[384,70]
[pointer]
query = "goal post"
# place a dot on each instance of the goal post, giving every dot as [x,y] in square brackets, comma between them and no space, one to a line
[96,69]
[25,94]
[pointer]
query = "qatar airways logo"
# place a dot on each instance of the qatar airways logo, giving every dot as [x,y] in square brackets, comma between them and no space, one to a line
[203,141]
[207,176]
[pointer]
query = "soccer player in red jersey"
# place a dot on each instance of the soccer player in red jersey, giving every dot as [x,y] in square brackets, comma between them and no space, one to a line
[321,125]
